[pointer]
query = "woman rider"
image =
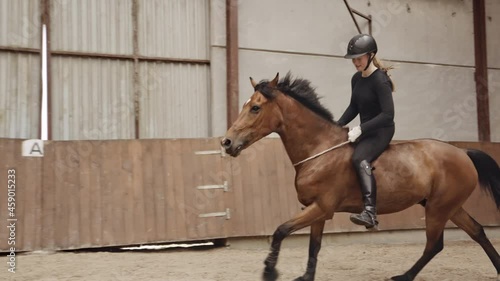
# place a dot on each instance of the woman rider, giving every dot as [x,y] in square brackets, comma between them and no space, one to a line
[372,99]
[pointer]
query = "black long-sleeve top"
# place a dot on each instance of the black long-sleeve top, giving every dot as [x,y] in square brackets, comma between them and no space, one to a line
[372,99]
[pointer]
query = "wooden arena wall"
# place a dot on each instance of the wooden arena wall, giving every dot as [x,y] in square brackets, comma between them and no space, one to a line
[85,194]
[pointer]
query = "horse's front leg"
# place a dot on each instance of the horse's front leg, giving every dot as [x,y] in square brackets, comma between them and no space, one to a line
[314,247]
[308,216]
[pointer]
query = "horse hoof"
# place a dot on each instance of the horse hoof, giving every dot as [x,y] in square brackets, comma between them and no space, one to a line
[305,277]
[301,278]
[401,278]
[270,274]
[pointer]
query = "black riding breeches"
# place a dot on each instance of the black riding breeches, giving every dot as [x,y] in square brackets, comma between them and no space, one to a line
[371,145]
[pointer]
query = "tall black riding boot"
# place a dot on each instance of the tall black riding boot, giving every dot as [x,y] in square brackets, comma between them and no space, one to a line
[366,179]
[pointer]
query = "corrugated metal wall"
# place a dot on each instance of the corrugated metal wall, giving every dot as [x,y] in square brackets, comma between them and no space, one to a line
[20,23]
[174,28]
[92,98]
[174,100]
[175,97]
[170,94]
[92,26]
[20,86]
[19,95]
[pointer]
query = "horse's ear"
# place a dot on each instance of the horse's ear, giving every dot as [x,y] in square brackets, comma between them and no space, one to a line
[253,82]
[274,83]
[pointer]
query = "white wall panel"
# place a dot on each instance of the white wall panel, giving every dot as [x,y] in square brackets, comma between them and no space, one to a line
[494,100]
[433,32]
[435,102]
[493,52]
[423,31]
[493,32]
[20,89]
[330,76]
[431,101]
[175,100]
[92,99]
[307,26]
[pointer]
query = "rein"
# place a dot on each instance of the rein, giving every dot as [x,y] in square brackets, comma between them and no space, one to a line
[321,153]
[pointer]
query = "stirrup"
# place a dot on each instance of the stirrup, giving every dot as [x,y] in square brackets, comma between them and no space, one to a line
[365,218]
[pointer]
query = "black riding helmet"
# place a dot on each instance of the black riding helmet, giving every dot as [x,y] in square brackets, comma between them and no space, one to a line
[359,45]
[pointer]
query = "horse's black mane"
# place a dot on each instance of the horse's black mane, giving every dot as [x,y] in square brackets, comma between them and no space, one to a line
[299,89]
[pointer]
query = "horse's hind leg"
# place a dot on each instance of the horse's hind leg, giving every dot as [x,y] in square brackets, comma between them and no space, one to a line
[435,223]
[463,220]
[308,216]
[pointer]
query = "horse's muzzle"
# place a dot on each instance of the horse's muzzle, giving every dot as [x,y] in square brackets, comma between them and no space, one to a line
[230,147]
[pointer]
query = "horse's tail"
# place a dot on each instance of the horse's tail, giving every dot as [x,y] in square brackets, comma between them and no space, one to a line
[488,172]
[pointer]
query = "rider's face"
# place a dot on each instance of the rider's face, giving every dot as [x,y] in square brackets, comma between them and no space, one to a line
[360,62]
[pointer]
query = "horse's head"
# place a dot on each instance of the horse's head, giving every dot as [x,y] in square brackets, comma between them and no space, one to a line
[259,117]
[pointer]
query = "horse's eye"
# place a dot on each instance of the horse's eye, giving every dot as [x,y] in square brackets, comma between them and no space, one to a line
[255,108]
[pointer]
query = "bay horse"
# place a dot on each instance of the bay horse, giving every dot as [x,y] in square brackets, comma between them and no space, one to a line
[429,172]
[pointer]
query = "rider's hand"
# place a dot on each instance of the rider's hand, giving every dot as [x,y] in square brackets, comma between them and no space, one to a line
[354,134]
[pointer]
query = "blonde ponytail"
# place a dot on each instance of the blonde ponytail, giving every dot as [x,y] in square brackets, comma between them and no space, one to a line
[385,69]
